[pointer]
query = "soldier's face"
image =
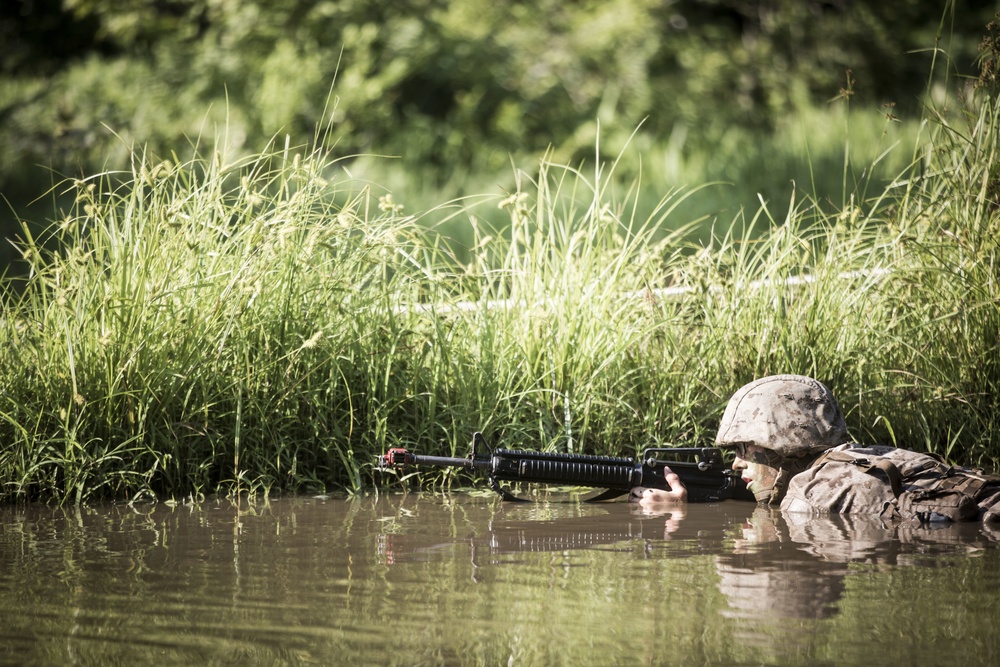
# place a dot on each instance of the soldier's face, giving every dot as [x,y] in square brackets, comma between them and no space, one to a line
[760,477]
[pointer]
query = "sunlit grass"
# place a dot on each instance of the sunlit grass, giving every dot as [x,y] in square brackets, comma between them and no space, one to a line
[268,324]
[833,154]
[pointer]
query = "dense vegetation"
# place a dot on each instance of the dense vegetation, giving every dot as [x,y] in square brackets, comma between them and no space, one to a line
[227,323]
[444,78]
[234,320]
[453,86]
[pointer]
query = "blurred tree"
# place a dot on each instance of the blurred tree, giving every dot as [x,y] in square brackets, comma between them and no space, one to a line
[41,36]
[442,82]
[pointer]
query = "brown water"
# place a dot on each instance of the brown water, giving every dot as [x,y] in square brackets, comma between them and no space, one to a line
[467,580]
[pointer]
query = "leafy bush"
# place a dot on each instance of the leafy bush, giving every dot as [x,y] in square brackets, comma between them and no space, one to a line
[449,84]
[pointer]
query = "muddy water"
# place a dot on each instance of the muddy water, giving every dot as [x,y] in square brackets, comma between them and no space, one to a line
[466,580]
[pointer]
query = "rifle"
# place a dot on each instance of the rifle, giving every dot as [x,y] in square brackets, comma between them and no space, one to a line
[702,470]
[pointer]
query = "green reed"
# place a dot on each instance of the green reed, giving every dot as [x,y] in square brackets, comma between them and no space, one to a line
[267,324]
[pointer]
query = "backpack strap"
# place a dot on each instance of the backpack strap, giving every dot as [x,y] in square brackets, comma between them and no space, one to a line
[963,482]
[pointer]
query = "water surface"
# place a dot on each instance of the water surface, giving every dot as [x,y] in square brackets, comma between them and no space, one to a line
[464,579]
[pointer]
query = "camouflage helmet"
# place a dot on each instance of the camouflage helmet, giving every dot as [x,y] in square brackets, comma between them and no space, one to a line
[791,415]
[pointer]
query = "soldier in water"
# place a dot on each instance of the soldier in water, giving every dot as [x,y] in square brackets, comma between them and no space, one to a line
[793,450]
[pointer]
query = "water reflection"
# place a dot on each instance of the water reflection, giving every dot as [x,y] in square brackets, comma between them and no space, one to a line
[795,566]
[769,565]
[470,580]
[562,525]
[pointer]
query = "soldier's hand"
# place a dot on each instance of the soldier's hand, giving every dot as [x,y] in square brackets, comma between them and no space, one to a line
[647,497]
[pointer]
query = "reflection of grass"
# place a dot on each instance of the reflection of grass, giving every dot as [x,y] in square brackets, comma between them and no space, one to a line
[249,326]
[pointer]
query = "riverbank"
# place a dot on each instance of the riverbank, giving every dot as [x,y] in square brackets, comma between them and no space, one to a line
[265,324]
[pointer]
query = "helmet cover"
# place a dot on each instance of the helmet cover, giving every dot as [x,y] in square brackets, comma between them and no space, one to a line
[791,415]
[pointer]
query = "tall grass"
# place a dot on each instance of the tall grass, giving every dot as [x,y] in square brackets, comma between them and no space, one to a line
[207,324]
[834,153]
[266,324]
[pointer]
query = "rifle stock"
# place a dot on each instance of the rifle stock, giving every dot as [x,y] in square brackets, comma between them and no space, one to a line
[702,470]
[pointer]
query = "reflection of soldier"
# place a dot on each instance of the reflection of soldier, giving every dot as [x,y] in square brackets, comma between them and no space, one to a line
[767,573]
[789,435]
[786,589]
[792,565]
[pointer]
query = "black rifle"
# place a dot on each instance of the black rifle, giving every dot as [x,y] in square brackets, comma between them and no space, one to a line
[701,469]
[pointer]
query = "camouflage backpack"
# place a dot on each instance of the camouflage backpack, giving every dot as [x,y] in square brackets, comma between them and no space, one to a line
[892,483]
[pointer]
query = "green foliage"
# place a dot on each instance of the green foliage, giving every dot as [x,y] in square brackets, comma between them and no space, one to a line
[254,324]
[169,336]
[235,320]
[449,84]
